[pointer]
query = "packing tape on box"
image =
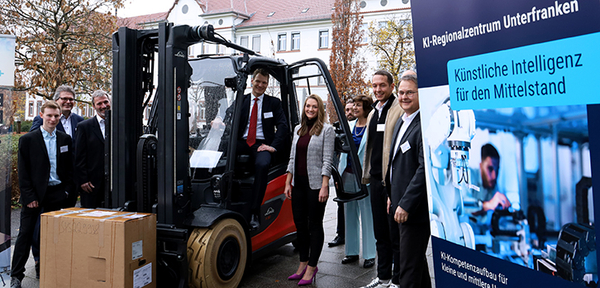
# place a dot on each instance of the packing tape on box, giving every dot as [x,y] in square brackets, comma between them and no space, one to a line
[101,228]
[56,226]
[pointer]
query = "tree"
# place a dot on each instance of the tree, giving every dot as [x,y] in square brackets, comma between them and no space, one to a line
[391,41]
[346,65]
[61,42]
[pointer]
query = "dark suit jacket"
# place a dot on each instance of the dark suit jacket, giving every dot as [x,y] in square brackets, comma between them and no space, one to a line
[407,188]
[273,138]
[34,166]
[75,119]
[89,154]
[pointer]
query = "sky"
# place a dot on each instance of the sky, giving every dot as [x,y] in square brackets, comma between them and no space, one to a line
[143,7]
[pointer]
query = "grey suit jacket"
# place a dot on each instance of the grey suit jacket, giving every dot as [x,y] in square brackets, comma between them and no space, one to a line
[319,156]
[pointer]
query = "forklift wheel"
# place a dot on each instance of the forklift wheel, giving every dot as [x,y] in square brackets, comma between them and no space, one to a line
[217,256]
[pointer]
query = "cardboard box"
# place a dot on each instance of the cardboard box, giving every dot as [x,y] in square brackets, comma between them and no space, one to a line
[97,248]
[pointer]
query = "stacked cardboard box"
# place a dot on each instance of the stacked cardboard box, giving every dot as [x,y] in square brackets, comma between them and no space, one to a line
[88,248]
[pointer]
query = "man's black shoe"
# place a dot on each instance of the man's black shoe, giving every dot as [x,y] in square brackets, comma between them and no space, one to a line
[254,224]
[350,259]
[37,270]
[15,282]
[369,263]
[338,240]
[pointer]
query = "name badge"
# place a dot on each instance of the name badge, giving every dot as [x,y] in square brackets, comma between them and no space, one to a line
[268,114]
[380,127]
[405,147]
[64,149]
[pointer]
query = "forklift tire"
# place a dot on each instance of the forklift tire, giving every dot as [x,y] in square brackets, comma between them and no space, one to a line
[217,256]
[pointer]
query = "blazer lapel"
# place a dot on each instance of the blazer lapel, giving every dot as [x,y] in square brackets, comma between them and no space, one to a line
[59,127]
[42,146]
[395,138]
[97,130]
[410,128]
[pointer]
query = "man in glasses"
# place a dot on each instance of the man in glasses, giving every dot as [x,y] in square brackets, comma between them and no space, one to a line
[65,97]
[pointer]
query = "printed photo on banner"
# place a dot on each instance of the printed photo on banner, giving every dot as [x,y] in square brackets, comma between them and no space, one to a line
[511,182]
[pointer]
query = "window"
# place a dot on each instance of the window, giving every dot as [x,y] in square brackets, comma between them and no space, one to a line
[221,49]
[39,107]
[30,109]
[323,39]
[321,81]
[244,41]
[364,29]
[281,42]
[295,41]
[256,43]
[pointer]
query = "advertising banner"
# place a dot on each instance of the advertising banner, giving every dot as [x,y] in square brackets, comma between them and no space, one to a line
[509,101]
[7,60]
[7,71]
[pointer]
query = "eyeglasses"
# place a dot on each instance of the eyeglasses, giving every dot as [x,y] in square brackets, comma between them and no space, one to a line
[407,93]
[67,99]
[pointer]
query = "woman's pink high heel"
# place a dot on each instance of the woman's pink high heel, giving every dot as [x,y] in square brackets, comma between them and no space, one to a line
[298,276]
[312,279]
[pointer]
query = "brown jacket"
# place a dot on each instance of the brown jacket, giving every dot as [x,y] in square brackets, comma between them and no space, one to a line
[391,118]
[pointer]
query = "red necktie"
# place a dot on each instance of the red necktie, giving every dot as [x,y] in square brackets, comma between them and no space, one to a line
[252,128]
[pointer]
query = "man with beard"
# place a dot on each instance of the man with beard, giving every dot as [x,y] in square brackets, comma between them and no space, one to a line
[89,153]
[380,128]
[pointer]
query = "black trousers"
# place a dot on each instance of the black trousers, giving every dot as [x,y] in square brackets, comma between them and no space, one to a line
[308,217]
[262,162]
[413,239]
[94,199]
[27,231]
[341,223]
[384,227]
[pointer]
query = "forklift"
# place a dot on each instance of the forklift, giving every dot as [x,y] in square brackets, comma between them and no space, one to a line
[165,153]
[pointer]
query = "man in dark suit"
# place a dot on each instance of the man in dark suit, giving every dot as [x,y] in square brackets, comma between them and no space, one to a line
[89,153]
[45,170]
[262,132]
[65,97]
[407,191]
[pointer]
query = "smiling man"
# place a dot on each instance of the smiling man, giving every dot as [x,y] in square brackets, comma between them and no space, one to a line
[65,98]
[379,130]
[89,153]
[407,192]
[261,134]
[45,168]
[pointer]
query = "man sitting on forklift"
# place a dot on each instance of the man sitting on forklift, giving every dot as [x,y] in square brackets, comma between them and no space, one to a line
[261,134]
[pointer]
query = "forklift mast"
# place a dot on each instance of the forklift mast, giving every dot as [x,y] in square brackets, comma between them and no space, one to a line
[133,64]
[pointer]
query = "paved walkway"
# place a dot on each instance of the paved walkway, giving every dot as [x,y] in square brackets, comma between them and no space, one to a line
[273,269]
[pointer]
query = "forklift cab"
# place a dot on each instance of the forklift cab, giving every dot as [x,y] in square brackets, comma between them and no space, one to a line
[216,83]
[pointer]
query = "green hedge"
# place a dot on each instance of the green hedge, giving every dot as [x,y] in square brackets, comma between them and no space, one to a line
[9,145]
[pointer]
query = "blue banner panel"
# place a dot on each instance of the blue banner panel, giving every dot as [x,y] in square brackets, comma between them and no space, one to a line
[447,30]
[547,74]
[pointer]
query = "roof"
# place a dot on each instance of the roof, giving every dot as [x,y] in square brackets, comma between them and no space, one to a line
[137,22]
[286,11]
[260,12]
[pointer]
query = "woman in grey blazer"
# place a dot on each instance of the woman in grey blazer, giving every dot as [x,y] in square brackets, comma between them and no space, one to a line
[307,184]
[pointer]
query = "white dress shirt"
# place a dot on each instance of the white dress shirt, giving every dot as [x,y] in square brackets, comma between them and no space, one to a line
[102,124]
[66,123]
[406,122]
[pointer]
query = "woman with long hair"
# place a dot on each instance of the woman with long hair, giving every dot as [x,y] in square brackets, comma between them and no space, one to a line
[359,208]
[307,184]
